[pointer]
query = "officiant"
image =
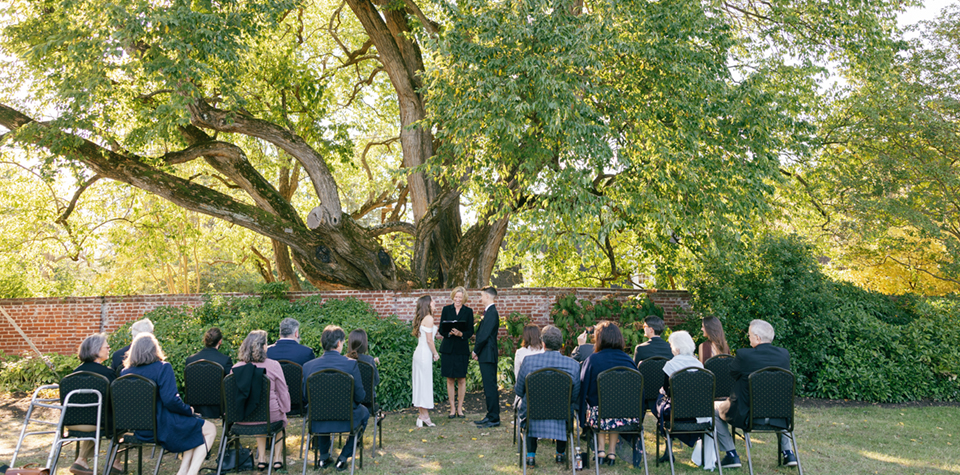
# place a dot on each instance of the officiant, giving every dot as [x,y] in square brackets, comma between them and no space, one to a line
[456,328]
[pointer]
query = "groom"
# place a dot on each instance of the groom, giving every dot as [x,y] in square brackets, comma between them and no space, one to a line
[486,352]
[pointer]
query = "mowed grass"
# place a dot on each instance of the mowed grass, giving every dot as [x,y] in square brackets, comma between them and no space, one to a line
[833,440]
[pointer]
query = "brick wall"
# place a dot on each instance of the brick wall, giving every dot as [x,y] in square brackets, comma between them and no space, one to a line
[60,324]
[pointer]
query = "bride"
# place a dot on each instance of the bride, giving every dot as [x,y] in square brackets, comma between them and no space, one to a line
[423,358]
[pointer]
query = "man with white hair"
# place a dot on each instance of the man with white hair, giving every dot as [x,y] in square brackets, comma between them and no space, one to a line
[736,409]
[288,347]
[138,327]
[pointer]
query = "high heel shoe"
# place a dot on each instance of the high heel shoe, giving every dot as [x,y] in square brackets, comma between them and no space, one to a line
[421,423]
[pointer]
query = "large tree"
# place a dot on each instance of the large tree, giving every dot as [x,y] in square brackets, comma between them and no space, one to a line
[581,122]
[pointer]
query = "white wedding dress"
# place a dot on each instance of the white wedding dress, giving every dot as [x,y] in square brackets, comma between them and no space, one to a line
[423,370]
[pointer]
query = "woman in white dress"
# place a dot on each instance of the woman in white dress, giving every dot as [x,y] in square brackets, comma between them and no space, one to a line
[423,358]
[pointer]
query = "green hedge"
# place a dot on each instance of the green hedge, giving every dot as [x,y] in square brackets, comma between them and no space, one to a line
[27,373]
[845,342]
[181,333]
[573,316]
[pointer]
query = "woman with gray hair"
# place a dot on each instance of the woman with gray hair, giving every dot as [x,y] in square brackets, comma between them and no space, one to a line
[683,347]
[253,351]
[93,351]
[179,430]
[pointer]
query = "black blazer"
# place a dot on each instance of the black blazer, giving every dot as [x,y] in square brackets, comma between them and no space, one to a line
[212,354]
[486,347]
[747,361]
[457,345]
[290,350]
[116,361]
[655,346]
[582,352]
[97,368]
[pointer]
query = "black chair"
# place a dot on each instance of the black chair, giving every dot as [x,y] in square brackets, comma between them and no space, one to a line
[652,371]
[691,410]
[84,397]
[619,392]
[771,409]
[293,375]
[257,424]
[203,383]
[548,398]
[367,372]
[719,365]
[133,399]
[335,389]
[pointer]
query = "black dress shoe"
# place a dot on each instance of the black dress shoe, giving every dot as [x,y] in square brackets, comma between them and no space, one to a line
[531,462]
[342,465]
[326,463]
[487,425]
[561,458]
[664,459]
[452,416]
[481,421]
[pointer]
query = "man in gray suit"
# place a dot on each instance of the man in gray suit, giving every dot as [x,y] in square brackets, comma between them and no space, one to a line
[551,358]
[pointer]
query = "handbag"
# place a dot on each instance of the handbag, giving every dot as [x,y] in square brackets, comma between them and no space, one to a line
[230,460]
[29,469]
[711,454]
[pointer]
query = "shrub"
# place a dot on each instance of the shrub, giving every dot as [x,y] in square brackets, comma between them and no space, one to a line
[27,373]
[573,316]
[180,332]
[845,342]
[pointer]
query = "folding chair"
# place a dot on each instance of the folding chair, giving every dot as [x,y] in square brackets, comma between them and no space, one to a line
[133,399]
[203,386]
[619,394]
[367,372]
[83,396]
[691,411]
[771,409]
[548,399]
[259,421]
[331,391]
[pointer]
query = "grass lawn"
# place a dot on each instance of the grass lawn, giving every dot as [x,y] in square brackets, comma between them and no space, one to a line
[833,439]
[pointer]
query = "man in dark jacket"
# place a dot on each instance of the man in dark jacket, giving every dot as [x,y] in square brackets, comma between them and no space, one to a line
[211,352]
[288,347]
[653,326]
[736,408]
[486,352]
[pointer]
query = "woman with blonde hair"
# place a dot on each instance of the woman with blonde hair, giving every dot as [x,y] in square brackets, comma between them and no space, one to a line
[423,358]
[716,343]
[253,351]
[456,328]
[179,430]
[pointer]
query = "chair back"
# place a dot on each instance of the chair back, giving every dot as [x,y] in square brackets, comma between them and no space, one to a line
[619,392]
[202,381]
[652,371]
[331,391]
[548,395]
[233,412]
[85,415]
[771,397]
[367,372]
[719,365]
[134,401]
[293,375]
[691,397]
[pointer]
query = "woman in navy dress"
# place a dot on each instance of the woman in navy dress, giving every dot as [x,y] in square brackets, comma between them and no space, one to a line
[179,430]
[608,353]
[455,348]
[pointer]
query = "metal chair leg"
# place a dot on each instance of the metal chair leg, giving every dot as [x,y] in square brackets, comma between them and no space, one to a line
[643,448]
[796,451]
[669,452]
[746,437]
[526,449]
[596,452]
[156,469]
[353,461]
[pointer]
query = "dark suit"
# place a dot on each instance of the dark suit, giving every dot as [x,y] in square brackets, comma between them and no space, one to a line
[455,349]
[116,361]
[549,429]
[288,349]
[225,362]
[331,359]
[655,346]
[582,352]
[487,353]
[736,409]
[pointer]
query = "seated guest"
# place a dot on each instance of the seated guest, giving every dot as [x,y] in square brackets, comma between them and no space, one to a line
[138,327]
[736,409]
[288,347]
[682,346]
[716,343]
[608,354]
[211,352]
[357,349]
[332,342]
[654,346]
[530,344]
[93,351]
[179,430]
[583,349]
[253,350]
[550,358]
